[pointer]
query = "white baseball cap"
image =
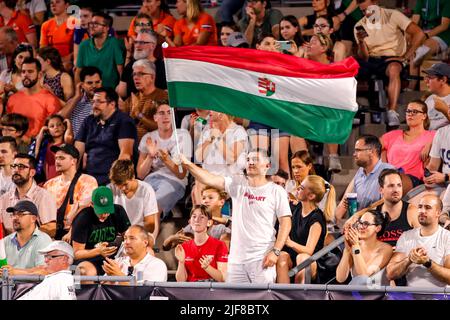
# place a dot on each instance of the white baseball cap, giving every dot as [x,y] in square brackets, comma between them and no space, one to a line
[60,246]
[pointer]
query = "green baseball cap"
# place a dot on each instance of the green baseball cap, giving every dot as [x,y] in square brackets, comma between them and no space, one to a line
[102,198]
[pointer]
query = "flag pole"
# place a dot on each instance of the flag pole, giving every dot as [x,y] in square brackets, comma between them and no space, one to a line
[172,113]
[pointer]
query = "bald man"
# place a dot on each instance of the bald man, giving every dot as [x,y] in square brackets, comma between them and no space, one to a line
[423,254]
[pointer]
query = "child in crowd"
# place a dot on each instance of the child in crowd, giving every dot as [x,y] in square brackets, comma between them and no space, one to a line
[56,131]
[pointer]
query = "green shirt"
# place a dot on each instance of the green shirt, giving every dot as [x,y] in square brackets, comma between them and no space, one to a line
[431,13]
[27,256]
[357,13]
[106,59]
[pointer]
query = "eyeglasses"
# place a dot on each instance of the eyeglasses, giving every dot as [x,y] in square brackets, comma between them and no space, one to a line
[130,271]
[413,111]
[143,42]
[321,26]
[19,166]
[140,74]
[142,24]
[51,257]
[365,224]
[20,214]
[361,150]
[96,24]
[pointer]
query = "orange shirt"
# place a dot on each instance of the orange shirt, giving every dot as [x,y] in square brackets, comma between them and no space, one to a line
[36,108]
[165,19]
[82,192]
[59,37]
[21,23]
[204,23]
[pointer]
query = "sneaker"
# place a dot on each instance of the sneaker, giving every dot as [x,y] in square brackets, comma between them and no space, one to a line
[334,164]
[393,118]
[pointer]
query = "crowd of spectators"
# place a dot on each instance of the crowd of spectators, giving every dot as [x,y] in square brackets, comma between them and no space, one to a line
[92,158]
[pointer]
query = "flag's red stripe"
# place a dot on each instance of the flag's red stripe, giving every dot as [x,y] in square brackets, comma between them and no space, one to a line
[265,62]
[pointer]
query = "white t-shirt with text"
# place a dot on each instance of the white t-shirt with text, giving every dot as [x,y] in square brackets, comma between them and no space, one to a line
[255,212]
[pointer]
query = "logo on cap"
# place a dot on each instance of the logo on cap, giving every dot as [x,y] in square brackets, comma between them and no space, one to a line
[103,200]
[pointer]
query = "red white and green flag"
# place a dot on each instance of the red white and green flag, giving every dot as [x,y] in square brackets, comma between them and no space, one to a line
[3,260]
[300,96]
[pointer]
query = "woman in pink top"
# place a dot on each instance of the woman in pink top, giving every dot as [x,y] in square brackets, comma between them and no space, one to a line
[408,149]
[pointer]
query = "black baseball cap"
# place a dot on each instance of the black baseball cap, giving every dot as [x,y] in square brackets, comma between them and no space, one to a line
[24,205]
[66,148]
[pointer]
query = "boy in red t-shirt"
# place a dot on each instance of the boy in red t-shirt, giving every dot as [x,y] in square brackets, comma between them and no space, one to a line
[203,258]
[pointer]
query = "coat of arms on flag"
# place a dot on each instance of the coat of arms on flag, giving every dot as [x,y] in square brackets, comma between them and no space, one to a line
[266,87]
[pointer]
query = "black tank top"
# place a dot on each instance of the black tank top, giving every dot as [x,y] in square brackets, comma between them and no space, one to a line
[395,228]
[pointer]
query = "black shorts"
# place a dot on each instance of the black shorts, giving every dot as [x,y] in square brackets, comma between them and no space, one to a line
[375,66]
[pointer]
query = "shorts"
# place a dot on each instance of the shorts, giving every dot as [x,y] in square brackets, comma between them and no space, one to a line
[375,66]
[251,272]
[442,45]
[168,192]
[264,130]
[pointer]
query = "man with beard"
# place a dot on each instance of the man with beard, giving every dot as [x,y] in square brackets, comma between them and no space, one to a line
[24,169]
[106,135]
[33,101]
[8,149]
[22,246]
[367,157]
[141,106]
[137,260]
[423,254]
[144,47]
[80,105]
[66,162]
[101,51]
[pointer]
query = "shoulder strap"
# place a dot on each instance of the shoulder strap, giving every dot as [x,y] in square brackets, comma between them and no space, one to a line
[62,209]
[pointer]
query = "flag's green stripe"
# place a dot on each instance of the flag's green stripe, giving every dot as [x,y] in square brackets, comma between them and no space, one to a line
[3,262]
[316,123]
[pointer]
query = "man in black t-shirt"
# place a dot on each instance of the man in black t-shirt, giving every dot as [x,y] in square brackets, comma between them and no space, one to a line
[95,229]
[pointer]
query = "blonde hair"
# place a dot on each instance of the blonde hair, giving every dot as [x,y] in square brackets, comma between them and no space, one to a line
[193,10]
[319,187]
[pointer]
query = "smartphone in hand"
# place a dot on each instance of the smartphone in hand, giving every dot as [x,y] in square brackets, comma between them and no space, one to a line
[285,45]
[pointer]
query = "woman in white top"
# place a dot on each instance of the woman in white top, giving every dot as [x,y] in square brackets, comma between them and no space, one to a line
[364,255]
[221,149]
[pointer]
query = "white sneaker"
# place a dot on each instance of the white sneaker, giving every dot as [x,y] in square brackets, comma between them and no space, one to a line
[393,118]
[334,164]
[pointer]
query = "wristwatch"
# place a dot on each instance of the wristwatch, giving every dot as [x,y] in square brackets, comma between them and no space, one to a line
[356,251]
[276,251]
[445,177]
[428,264]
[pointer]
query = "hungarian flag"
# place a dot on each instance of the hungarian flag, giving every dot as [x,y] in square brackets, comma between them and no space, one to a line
[2,248]
[305,98]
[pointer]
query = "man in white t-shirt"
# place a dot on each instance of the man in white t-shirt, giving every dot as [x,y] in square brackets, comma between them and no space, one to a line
[137,262]
[136,197]
[8,149]
[257,204]
[155,165]
[59,284]
[437,79]
[423,254]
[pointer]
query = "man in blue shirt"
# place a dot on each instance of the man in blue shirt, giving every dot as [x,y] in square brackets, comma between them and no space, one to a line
[106,135]
[22,246]
[367,157]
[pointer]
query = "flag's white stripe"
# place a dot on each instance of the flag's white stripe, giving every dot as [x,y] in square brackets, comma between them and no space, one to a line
[335,93]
